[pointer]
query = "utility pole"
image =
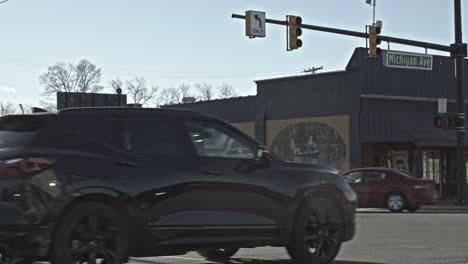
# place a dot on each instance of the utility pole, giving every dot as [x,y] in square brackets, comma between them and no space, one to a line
[373,4]
[373,13]
[459,52]
[313,70]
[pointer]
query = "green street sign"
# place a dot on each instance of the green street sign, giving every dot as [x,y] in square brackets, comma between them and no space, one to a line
[404,60]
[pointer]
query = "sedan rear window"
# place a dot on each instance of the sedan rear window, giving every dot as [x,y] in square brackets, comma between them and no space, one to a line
[406,174]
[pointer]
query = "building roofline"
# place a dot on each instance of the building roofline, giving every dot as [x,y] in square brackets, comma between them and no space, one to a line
[210,101]
[113,109]
[301,76]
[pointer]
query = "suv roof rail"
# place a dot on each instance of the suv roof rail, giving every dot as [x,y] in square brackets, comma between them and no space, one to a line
[123,109]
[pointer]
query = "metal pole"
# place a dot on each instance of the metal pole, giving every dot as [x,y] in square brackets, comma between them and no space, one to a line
[409,42]
[460,129]
[373,17]
[119,94]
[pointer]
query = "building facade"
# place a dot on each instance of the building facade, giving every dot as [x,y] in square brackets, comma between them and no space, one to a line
[365,115]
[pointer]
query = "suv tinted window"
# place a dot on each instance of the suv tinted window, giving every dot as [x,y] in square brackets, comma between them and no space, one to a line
[107,132]
[83,134]
[149,137]
[18,130]
[212,139]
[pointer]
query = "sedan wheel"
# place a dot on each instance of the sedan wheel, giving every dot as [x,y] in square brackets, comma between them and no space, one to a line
[395,202]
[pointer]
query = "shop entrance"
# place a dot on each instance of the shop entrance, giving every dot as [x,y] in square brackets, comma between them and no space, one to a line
[435,168]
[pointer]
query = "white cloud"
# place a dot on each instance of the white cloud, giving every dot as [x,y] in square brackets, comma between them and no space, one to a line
[7,89]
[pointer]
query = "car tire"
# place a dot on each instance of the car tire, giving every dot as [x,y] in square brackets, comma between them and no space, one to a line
[91,231]
[218,254]
[395,202]
[413,209]
[316,235]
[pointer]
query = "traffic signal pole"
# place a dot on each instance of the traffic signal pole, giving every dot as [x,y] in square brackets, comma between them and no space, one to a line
[360,35]
[458,51]
[459,54]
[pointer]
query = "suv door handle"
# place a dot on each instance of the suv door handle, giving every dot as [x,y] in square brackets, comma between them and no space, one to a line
[212,172]
[129,164]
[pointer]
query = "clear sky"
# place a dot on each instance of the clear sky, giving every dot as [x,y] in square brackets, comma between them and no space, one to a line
[173,42]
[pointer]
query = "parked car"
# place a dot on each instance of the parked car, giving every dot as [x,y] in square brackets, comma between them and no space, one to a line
[109,183]
[390,188]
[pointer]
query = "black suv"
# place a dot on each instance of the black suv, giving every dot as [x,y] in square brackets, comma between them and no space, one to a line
[107,183]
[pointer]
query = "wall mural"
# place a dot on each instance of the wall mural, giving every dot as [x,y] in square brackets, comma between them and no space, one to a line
[311,142]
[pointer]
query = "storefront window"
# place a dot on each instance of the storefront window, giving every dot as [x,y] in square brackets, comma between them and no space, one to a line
[434,163]
[397,159]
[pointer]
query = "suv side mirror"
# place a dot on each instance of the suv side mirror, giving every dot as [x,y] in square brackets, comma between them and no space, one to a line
[262,153]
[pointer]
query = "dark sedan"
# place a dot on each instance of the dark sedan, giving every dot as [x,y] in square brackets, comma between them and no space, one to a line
[390,188]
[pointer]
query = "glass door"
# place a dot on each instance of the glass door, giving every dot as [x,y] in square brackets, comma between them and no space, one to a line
[435,167]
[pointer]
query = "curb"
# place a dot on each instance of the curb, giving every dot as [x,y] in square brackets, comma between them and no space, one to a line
[423,210]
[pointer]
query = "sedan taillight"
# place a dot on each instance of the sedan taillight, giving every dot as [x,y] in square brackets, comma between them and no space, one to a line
[24,166]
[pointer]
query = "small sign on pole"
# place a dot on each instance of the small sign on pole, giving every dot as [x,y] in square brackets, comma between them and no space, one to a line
[255,24]
[442,106]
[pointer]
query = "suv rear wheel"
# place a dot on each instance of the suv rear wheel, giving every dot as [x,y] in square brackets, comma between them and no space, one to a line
[316,233]
[93,233]
[218,253]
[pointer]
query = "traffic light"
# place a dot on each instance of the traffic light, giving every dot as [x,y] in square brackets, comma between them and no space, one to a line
[294,32]
[374,41]
[445,121]
[440,121]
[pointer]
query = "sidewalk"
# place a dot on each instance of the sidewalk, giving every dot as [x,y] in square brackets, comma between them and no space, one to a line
[443,207]
[447,206]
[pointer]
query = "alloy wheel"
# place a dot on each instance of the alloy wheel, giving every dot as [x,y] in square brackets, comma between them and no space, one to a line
[321,237]
[395,202]
[93,239]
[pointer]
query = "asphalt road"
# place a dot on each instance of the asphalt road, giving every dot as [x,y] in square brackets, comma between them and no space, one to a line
[405,238]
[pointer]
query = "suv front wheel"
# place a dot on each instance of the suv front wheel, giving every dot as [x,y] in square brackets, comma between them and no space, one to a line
[316,233]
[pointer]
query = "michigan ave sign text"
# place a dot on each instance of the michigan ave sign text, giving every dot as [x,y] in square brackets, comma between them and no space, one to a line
[408,60]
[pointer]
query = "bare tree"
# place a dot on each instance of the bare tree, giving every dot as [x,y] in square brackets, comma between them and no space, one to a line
[205,91]
[83,77]
[116,84]
[88,77]
[165,97]
[7,108]
[184,91]
[139,90]
[226,91]
[50,107]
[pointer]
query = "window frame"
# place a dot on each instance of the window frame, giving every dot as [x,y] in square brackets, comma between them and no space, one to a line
[176,123]
[226,129]
[365,178]
[348,177]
